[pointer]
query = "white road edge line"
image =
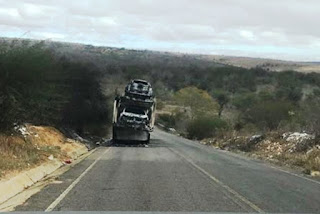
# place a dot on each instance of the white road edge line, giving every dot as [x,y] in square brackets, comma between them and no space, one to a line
[293,174]
[265,164]
[216,180]
[74,183]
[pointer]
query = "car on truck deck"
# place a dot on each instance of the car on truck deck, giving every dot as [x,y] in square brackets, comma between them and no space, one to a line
[134,117]
[139,90]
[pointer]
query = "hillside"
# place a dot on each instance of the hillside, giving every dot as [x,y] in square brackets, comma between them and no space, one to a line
[244,62]
[267,64]
[94,52]
[73,85]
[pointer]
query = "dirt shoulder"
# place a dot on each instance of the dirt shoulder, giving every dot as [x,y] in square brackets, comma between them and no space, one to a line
[32,146]
[292,149]
[297,150]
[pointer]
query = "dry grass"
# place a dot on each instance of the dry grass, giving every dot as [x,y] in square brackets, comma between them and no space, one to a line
[309,161]
[49,137]
[22,152]
[17,153]
[272,64]
[273,149]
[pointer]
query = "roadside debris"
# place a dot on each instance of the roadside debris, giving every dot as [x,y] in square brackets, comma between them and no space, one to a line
[21,129]
[68,161]
[297,137]
[172,130]
[256,138]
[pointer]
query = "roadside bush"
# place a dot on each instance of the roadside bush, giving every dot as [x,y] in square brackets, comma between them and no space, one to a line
[167,120]
[222,98]
[310,113]
[268,115]
[244,101]
[39,88]
[310,161]
[290,126]
[200,101]
[316,92]
[160,105]
[265,95]
[293,94]
[204,127]
[26,92]
[248,129]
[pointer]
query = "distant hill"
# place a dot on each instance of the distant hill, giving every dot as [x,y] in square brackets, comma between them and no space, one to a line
[244,62]
[266,64]
[94,52]
[170,71]
[73,85]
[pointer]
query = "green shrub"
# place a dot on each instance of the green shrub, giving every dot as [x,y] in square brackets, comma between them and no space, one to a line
[167,120]
[293,94]
[199,101]
[265,95]
[316,92]
[311,116]
[204,127]
[39,88]
[222,98]
[244,101]
[268,115]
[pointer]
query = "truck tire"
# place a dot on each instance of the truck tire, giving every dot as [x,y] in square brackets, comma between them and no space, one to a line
[114,137]
[148,140]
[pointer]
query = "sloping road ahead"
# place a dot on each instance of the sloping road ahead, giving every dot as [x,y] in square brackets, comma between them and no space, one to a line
[175,174]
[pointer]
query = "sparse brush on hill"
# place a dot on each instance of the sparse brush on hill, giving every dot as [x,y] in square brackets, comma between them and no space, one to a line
[67,84]
[38,88]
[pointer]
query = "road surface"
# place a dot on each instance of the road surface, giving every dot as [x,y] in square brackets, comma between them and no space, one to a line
[175,174]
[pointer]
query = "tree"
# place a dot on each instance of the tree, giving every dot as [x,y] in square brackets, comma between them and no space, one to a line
[293,94]
[222,98]
[265,95]
[269,114]
[199,101]
[244,101]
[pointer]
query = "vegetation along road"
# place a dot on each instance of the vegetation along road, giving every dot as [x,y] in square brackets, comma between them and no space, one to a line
[175,174]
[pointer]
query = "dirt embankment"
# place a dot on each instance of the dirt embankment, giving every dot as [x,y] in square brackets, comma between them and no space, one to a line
[295,149]
[31,146]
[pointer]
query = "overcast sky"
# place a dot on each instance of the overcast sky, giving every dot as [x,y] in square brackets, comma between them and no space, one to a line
[282,29]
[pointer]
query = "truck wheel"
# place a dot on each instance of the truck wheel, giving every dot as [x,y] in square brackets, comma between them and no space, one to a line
[114,137]
[148,141]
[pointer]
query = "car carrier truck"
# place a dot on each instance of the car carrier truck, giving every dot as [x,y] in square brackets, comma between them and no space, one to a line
[134,113]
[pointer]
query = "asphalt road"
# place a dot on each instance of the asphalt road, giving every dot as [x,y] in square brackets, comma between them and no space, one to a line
[175,174]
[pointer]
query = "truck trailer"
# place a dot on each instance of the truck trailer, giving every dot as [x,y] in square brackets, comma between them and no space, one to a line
[134,113]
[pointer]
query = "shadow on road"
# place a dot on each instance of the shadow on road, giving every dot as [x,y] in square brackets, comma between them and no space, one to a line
[154,143]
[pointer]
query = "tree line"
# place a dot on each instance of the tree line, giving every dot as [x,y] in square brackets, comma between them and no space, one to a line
[61,84]
[39,88]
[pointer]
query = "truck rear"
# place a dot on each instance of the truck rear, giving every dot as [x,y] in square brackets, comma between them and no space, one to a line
[134,113]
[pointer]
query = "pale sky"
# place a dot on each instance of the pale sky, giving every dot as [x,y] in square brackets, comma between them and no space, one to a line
[280,29]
